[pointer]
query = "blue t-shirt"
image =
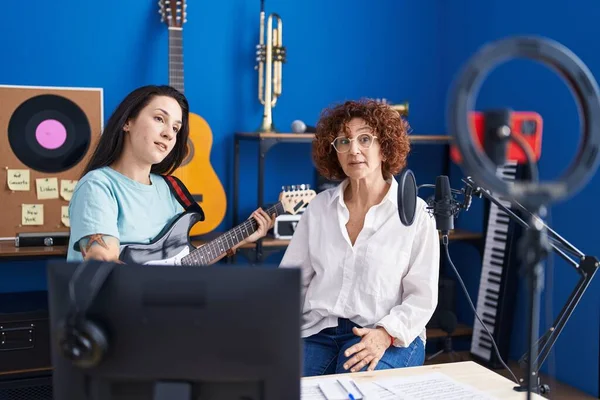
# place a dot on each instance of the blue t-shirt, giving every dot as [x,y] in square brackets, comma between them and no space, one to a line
[107,202]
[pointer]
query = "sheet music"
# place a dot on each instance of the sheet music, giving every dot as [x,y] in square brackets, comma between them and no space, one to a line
[432,386]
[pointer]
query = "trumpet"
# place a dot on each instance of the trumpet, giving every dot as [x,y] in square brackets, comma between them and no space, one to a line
[270,58]
[401,108]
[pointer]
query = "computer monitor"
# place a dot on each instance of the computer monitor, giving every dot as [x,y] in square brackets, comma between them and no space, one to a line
[179,333]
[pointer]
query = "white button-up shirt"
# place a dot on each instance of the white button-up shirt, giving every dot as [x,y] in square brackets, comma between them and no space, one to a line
[389,277]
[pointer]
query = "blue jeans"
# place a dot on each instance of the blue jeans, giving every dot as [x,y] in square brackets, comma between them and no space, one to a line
[324,351]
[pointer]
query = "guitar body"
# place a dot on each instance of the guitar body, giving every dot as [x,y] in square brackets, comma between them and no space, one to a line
[168,248]
[199,176]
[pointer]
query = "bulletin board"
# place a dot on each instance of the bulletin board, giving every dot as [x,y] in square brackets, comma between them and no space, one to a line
[47,135]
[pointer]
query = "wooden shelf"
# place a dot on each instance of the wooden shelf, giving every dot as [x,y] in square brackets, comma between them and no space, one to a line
[461,330]
[270,241]
[283,136]
[8,249]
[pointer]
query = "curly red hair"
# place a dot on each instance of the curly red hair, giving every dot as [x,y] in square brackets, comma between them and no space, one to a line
[391,130]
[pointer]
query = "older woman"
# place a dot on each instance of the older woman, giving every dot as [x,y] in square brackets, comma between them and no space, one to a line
[370,284]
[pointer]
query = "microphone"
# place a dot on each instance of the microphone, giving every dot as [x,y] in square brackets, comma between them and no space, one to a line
[468,198]
[444,205]
[299,126]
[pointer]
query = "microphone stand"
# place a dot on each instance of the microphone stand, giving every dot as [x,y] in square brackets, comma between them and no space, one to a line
[538,240]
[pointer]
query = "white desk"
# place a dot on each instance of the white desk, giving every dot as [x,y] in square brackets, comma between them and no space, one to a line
[467,372]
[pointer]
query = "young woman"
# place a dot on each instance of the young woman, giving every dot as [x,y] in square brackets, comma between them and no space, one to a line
[121,197]
[370,284]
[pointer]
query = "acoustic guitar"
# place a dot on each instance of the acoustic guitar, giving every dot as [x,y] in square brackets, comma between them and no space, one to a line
[173,247]
[196,171]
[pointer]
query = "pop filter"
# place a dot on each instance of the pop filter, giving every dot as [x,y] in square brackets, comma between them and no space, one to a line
[407,197]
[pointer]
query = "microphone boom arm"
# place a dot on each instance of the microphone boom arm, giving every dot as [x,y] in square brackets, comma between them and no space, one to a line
[586,266]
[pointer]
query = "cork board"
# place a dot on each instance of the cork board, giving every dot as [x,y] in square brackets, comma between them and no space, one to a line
[47,135]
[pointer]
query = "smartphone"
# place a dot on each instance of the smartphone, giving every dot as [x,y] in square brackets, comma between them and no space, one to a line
[527,124]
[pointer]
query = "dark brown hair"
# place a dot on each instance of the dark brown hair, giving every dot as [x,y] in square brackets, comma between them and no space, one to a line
[387,124]
[110,145]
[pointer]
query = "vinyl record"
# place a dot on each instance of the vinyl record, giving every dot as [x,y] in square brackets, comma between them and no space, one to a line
[49,133]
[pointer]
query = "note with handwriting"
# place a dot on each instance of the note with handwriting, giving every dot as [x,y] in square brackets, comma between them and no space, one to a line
[32,214]
[64,215]
[47,188]
[18,179]
[66,189]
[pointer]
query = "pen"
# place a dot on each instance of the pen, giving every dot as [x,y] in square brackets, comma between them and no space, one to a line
[357,389]
[350,396]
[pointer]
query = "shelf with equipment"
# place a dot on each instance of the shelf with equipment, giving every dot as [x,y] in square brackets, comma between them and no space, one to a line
[262,248]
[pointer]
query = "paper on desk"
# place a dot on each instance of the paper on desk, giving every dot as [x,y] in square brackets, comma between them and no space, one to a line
[431,386]
[330,388]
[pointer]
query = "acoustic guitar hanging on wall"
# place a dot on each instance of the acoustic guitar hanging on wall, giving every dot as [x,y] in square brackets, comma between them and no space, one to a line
[196,171]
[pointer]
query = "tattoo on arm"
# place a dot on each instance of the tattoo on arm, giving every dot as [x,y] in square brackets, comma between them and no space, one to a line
[87,242]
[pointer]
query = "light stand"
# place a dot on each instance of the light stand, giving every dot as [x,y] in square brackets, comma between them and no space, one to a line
[541,237]
[482,163]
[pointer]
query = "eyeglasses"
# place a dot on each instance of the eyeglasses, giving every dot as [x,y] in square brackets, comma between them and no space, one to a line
[342,144]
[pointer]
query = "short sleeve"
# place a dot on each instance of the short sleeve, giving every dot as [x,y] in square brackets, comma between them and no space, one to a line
[92,209]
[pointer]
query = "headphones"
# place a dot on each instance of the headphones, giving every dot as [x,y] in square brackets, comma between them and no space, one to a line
[80,340]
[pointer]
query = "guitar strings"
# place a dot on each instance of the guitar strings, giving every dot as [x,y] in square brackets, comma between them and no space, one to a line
[211,248]
[176,58]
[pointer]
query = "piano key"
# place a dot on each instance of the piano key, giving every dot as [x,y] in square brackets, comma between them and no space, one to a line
[493,267]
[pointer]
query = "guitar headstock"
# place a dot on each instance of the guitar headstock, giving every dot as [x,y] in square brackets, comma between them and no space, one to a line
[294,198]
[172,12]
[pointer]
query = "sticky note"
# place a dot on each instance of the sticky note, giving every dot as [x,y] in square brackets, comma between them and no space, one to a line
[32,214]
[47,188]
[18,179]
[64,215]
[66,189]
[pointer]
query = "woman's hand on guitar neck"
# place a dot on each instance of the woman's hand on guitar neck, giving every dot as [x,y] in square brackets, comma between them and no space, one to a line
[264,224]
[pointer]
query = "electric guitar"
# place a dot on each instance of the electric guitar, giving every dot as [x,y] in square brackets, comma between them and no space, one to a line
[196,171]
[173,247]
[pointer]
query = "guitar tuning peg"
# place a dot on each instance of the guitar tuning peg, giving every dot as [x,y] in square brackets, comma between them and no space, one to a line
[283,188]
[293,187]
[287,188]
[302,186]
[307,186]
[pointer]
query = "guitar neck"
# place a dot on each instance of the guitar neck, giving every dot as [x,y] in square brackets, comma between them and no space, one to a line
[210,251]
[176,58]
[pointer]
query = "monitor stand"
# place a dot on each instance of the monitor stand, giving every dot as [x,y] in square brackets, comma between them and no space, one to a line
[172,391]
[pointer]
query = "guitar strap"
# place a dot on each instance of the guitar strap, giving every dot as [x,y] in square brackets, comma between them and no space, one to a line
[182,195]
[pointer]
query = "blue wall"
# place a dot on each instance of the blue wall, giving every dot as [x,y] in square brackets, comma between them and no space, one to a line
[337,50]
[528,85]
